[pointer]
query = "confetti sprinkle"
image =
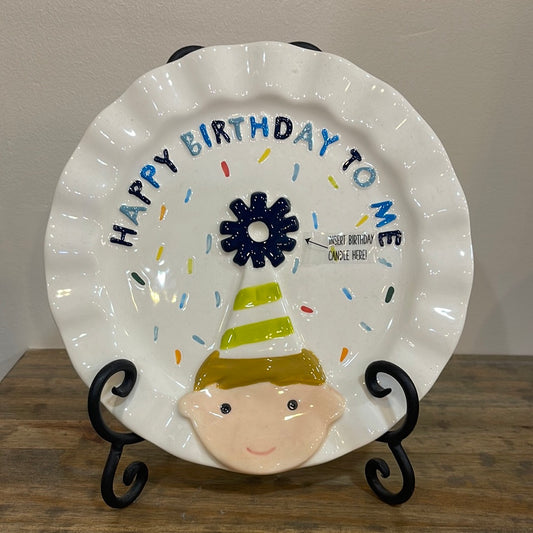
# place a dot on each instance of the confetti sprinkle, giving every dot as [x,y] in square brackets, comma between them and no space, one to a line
[199,340]
[390,293]
[295,171]
[225,168]
[156,333]
[315,220]
[183,301]
[266,153]
[188,196]
[331,179]
[344,353]
[208,243]
[347,293]
[365,326]
[162,212]
[364,218]
[218,300]
[306,309]
[177,354]
[295,265]
[138,278]
[189,265]
[159,253]
[384,262]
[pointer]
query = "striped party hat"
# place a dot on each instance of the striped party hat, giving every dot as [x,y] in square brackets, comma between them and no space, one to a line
[259,324]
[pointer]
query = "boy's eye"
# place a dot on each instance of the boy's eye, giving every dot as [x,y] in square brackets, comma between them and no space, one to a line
[225,408]
[292,405]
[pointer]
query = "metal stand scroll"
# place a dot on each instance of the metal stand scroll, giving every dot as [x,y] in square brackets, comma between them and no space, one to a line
[394,437]
[136,474]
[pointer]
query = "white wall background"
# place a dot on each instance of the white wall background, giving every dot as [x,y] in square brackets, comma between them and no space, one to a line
[465,66]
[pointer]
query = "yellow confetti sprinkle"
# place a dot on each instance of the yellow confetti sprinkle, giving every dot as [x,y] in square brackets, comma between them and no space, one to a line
[189,265]
[177,353]
[344,353]
[333,253]
[331,179]
[159,253]
[364,218]
[162,212]
[266,153]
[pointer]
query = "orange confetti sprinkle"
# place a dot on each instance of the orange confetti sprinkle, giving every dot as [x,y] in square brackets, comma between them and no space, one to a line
[178,356]
[344,353]
[162,212]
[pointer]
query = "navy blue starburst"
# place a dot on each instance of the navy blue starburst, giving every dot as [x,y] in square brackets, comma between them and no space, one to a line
[273,217]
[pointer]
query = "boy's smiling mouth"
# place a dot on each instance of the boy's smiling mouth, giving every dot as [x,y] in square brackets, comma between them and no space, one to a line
[259,452]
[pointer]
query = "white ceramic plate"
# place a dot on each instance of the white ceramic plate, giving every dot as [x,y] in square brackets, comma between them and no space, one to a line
[357,164]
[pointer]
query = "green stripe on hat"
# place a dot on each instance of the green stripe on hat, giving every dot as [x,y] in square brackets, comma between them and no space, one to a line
[257,332]
[257,295]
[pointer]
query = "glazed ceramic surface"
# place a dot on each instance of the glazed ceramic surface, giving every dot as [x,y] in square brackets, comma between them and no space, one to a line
[242,208]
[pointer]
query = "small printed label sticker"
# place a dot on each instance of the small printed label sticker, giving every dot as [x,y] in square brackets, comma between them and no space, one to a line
[340,248]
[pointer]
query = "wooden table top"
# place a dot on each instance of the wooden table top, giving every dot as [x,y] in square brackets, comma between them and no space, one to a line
[471,451]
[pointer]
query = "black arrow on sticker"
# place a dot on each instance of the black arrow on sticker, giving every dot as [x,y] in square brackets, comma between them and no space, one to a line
[309,241]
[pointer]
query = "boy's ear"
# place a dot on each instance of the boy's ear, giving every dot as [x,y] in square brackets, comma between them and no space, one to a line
[332,401]
[185,404]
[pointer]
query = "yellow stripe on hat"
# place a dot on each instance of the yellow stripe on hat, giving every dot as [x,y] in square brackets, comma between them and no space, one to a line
[256,332]
[257,295]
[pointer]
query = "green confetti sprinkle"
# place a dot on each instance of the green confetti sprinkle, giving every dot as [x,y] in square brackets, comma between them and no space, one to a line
[138,278]
[388,296]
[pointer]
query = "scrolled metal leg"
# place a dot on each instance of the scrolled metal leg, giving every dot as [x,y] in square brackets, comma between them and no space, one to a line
[135,474]
[393,438]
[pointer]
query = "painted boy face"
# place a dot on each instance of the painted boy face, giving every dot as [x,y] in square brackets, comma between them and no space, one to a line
[262,428]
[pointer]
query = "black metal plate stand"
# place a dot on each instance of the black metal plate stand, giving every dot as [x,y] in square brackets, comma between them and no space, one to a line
[394,437]
[135,474]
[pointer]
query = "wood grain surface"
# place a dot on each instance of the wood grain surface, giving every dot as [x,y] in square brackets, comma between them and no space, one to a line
[472,454]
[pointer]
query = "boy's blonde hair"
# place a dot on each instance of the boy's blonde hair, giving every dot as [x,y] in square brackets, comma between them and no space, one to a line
[228,373]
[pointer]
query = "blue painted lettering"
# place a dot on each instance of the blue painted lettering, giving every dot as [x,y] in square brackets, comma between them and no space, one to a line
[277,129]
[123,232]
[194,147]
[236,123]
[254,125]
[203,131]
[165,160]
[131,212]
[382,213]
[218,130]
[327,141]
[371,178]
[148,173]
[306,135]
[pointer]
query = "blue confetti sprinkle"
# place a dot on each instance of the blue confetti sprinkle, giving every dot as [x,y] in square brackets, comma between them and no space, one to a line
[384,262]
[296,265]
[208,243]
[347,293]
[365,326]
[199,340]
[295,171]
[183,301]
[315,220]
[218,301]
[156,333]
[188,195]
